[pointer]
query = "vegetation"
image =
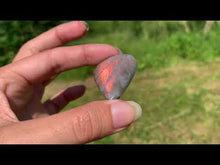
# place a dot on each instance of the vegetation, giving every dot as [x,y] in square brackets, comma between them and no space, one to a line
[154,44]
[178,75]
[180,104]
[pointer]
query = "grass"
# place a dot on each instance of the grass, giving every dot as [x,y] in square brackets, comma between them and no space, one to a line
[177,85]
[181,104]
[177,81]
[153,53]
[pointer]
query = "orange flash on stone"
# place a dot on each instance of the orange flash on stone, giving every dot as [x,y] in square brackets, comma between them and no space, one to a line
[114,74]
[106,73]
[109,85]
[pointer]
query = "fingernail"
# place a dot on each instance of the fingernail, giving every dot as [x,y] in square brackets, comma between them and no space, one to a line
[119,51]
[124,113]
[87,26]
[138,110]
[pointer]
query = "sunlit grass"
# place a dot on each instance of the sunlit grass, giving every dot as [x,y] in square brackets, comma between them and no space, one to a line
[181,104]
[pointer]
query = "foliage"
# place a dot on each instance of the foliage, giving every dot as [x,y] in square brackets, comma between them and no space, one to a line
[154,44]
[13,34]
[188,93]
[180,104]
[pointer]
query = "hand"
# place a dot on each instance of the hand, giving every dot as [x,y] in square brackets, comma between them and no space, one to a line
[25,119]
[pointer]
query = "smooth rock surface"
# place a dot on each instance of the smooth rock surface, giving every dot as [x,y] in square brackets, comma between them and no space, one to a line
[114,74]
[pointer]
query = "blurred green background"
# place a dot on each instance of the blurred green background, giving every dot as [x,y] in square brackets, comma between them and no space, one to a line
[177,82]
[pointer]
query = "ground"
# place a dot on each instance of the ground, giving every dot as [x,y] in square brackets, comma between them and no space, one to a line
[181,104]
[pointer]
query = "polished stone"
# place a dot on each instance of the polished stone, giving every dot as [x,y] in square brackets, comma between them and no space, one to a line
[114,74]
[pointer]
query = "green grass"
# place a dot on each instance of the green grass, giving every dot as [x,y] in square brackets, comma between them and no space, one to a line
[181,104]
[151,53]
[177,81]
[177,84]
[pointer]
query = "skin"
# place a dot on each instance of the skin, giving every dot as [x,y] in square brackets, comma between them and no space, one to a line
[24,118]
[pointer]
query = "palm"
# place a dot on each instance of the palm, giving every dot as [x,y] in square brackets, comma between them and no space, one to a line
[22,85]
[23,99]
[33,101]
[40,60]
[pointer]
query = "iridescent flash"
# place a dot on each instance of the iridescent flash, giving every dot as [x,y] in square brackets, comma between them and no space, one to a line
[114,74]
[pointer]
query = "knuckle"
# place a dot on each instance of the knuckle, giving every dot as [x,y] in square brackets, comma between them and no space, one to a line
[29,48]
[86,56]
[83,126]
[24,47]
[58,36]
[88,126]
[53,62]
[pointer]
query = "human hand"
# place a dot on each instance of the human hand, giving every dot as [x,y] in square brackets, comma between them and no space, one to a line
[25,119]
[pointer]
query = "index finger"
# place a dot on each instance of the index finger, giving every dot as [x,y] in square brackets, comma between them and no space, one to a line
[55,37]
[40,67]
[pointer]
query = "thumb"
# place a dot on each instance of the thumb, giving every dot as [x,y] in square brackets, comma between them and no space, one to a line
[83,124]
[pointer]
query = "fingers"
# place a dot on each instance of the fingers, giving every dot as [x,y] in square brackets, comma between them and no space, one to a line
[60,100]
[80,125]
[57,36]
[54,104]
[40,67]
